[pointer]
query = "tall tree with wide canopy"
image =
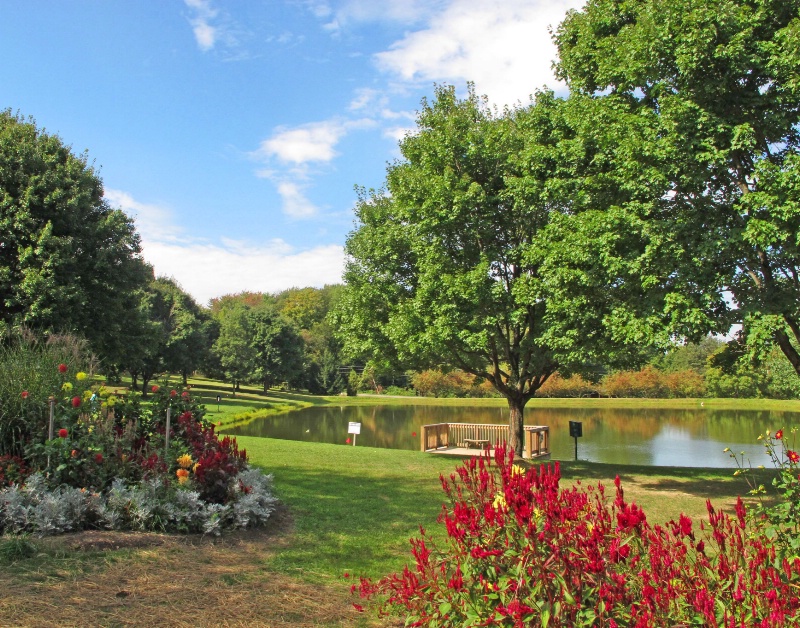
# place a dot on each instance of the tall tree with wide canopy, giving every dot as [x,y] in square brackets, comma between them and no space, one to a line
[68,262]
[717,85]
[448,264]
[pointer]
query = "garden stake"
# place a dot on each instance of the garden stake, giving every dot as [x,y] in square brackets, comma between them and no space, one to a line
[166,437]
[52,401]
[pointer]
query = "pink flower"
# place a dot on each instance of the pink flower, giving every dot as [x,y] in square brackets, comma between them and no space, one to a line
[63,433]
[62,368]
[24,394]
[76,402]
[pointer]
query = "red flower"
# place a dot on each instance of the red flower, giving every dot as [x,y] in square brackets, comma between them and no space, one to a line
[98,458]
[173,393]
[62,368]
[76,401]
[154,388]
[63,433]
[185,395]
[347,441]
[413,433]
[24,394]
[74,453]
[793,455]
[779,434]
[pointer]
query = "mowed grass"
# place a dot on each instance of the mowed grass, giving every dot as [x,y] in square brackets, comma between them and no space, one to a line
[355,508]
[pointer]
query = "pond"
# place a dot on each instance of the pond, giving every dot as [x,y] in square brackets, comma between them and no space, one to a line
[657,437]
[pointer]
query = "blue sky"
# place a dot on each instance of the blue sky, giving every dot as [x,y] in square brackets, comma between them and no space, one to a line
[234,131]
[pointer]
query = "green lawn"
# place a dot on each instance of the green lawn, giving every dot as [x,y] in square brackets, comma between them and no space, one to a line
[355,508]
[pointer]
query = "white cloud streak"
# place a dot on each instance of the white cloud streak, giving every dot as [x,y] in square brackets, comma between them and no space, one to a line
[207,270]
[503,46]
[204,33]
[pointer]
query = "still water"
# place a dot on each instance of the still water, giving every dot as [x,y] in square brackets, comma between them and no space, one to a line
[621,436]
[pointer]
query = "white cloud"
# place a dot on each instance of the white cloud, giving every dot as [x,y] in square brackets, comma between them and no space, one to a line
[503,46]
[312,142]
[207,270]
[204,33]
[295,203]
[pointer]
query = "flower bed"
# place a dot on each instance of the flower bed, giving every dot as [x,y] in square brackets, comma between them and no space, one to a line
[113,463]
[522,551]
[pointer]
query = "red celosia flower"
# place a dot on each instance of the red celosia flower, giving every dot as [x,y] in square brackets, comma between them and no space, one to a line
[173,393]
[779,434]
[793,455]
[76,401]
[63,433]
[62,368]
[154,388]
[24,394]
[98,458]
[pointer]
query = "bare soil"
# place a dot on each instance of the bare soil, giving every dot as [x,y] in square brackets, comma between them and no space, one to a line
[167,580]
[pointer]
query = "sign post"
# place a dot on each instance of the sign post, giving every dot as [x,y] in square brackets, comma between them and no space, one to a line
[219,397]
[576,431]
[354,429]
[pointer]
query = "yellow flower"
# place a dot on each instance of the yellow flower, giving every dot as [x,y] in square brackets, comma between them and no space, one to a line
[87,394]
[726,450]
[66,386]
[185,461]
[499,502]
[517,470]
[195,467]
[80,376]
[183,476]
[111,401]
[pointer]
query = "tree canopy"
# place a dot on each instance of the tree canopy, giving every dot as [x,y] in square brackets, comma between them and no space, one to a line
[68,261]
[715,89]
[451,263]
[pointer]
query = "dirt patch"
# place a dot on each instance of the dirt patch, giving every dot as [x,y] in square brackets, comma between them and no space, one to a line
[168,580]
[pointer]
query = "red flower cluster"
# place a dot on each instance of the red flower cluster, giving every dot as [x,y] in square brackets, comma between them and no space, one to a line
[63,433]
[62,368]
[521,551]
[76,402]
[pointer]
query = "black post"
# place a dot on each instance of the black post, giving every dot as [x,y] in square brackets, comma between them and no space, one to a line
[576,430]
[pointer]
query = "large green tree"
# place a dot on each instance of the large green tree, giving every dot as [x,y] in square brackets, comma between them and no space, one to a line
[449,264]
[68,261]
[714,88]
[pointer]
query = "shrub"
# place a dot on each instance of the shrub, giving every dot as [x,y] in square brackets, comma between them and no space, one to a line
[686,383]
[436,383]
[573,386]
[647,382]
[521,551]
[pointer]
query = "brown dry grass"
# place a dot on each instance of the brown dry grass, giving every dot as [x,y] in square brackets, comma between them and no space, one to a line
[134,579]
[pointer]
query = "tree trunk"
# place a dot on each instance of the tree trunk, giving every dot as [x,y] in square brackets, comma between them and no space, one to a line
[788,350]
[145,381]
[516,424]
[185,375]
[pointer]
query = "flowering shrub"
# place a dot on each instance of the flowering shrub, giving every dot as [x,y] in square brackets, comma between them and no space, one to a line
[779,516]
[521,551]
[127,470]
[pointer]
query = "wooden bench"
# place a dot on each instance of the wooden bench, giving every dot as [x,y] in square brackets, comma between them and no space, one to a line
[476,442]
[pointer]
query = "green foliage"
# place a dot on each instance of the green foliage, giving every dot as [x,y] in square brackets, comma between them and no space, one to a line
[453,261]
[68,261]
[700,105]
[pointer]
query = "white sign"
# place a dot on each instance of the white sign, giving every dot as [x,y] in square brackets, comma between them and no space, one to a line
[354,428]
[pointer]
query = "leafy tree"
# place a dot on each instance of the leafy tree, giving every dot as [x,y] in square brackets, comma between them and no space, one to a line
[450,263]
[714,89]
[277,348]
[68,262]
[232,346]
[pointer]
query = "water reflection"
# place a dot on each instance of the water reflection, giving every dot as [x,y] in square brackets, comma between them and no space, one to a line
[624,436]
